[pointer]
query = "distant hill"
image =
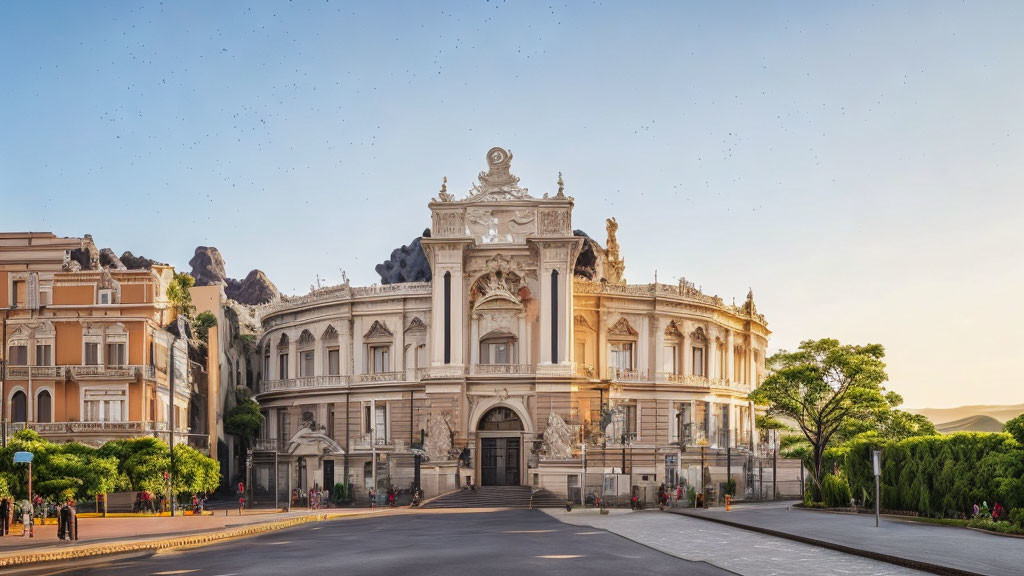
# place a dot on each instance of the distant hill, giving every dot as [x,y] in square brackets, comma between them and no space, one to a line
[980,423]
[1001,413]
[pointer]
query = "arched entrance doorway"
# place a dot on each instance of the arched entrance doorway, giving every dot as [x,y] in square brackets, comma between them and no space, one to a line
[499,431]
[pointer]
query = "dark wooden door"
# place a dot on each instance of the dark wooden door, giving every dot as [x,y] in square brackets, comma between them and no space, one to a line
[499,461]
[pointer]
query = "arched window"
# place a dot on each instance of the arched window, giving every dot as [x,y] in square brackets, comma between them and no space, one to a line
[44,405]
[498,347]
[282,357]
[19,407]
[500,418]
[332,352]
[305,346]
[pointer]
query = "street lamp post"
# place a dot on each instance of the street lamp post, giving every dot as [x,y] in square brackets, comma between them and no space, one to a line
[26,458]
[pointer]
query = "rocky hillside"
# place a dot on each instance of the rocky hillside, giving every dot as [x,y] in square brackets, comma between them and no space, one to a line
[208,270]
[91,258]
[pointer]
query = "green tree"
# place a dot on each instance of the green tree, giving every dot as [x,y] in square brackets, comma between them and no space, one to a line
[1015,428]
[244,420]
[202,324]
[194,472]
[822,386]
[179,295]
[141,462]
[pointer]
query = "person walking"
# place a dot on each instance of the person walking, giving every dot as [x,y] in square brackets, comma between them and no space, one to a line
[373,497]
[63,516]
[26,518]
[72,526]
[5,507]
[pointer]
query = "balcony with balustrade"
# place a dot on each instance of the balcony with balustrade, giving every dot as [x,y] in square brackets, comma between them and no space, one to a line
[35,372]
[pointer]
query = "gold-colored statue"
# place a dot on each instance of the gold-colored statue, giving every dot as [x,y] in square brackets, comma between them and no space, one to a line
[614,266]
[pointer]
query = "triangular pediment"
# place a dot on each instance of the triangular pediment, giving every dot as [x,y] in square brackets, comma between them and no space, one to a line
[622,328]
[378,330]
[416,324]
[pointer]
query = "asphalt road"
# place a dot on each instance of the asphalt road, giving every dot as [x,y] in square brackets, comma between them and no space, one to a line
[512,542]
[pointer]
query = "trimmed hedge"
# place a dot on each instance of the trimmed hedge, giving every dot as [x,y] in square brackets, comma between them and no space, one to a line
[938,476]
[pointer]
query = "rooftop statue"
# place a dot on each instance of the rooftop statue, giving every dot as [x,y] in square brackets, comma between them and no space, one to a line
[615,266]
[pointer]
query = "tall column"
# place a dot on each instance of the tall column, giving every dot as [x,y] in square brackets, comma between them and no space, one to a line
[712,353]
[474,340]
[751,365]
[293,360]
[730,361]
[687,354]
[659,345]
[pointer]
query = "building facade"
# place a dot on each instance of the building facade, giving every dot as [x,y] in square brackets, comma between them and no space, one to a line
[507,368]
[85,356]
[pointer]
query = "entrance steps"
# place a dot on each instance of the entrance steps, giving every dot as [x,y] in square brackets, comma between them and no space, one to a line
[545,498]
[485,497]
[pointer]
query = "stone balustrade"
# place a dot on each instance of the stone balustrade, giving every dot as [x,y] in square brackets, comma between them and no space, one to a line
[499,369]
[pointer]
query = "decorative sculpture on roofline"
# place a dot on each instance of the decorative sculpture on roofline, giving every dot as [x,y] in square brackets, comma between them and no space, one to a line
[444,195]
[614,266]
[498,183]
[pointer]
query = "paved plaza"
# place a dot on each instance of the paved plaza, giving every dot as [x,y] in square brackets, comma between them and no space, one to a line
[958,548]
[512,542]
[734,549]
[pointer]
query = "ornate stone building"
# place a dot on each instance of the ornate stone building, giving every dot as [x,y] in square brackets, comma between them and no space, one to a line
[506,368]
[85,356]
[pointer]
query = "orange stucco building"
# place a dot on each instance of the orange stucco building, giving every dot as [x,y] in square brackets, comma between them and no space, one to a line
[85,356]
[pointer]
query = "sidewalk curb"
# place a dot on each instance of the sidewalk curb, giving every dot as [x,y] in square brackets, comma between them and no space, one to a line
[898,561]
[173,542]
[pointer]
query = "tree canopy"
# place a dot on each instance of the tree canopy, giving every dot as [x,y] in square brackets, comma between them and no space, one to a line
[78,471]
[823,386]
[244,420]
[179,295]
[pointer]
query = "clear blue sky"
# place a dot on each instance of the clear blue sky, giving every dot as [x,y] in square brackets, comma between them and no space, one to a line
[859,166]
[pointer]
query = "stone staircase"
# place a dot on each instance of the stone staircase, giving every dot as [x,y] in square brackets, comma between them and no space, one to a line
[545,498]
[484,497]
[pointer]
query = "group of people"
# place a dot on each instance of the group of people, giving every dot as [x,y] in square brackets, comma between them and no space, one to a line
[997,512]
[390,497]
[144,502]
[67,516]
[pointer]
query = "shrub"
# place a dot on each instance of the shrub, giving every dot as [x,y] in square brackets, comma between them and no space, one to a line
[835,491]
[339,492]
[1017,518]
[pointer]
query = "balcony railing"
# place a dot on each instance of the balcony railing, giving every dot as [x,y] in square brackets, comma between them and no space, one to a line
[380,377]
[50,372]
[491,369]
[304,383]
[266,444]
[627,375]
[89,372]
[364,441]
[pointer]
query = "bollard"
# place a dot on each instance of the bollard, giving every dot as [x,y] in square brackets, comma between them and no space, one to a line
[728,502]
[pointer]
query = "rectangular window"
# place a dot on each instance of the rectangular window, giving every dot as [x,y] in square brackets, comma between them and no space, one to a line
[92,354]
[669,361]
[104,296]
[115,354]
[43,357]
[381,424]
[306,364]
[421,356]
[381,358]
[19,294]
[621,357]
[698,361]
[266,367]
[282,426]
[333,361]
[367,418]
[282,366]
[330,421]
[19,355]
[684,424]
